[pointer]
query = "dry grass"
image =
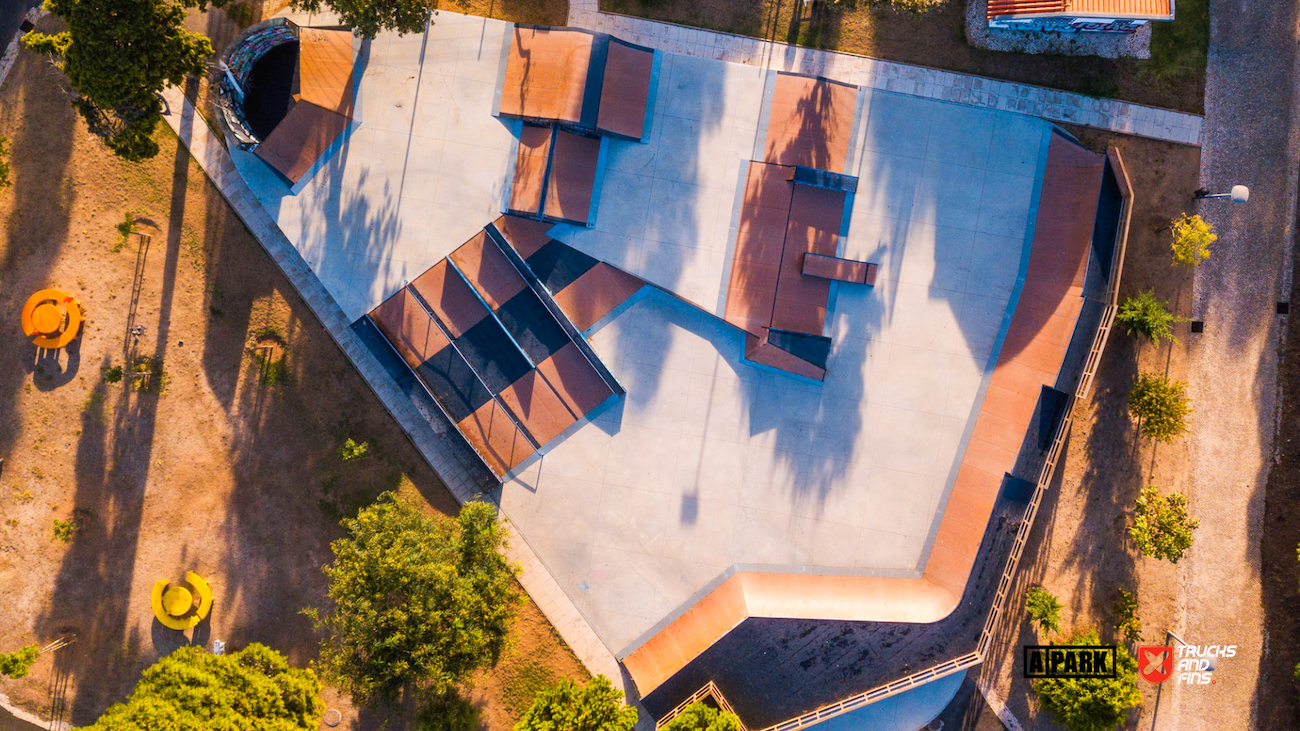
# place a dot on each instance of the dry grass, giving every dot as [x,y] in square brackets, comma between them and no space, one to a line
[1175,80]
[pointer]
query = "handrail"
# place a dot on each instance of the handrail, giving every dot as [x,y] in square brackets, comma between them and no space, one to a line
[1044,481]
[709,689]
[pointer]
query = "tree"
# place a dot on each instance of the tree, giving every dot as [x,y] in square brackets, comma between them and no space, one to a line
[367,18]
[1043,608]
[915,6]
[1127,622]
[1161,526]
[16,664]
[701,717]
[1149,317]
[419,602]
[1192,238]
[119,54]
[1092,704]
[1160,405]
[192,690]
[597,706]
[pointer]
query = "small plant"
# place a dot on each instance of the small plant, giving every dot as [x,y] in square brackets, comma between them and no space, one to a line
[1193,236]
[5,182]
[65,530]
[353,449]
[1043,608]
[1160,405]
[1127,622]
[16,664]
[124,231]
[148,376]
[1296,673]
[1149,317]
[113,375]
[1161,526]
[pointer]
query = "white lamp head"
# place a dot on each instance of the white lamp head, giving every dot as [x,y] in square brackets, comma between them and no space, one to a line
[1240,194]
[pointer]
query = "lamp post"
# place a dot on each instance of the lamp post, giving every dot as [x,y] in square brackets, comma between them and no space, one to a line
[1239,194]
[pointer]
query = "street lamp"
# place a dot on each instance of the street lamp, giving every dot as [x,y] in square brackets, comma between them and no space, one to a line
[1239,194]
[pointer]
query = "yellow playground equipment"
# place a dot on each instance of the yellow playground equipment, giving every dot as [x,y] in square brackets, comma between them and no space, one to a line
[51,318]
[174,605]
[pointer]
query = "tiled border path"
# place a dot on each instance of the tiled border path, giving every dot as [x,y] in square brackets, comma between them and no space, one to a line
[444,449]
[1057,106]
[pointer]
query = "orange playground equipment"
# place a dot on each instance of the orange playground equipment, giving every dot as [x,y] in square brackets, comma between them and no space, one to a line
[51,318]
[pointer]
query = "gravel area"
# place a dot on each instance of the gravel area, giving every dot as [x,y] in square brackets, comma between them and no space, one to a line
[1106,45]
[1250,138]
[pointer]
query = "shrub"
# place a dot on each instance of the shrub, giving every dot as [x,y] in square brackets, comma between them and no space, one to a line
[1127,622]
[597,706]
[5,182]
[124,230]
[113,375]
[418,602]
[248,690]
[16,664]
[1161,526]
[1193,236]
[1149,317]
[448,712]
[1160,405]
[1092,704]
[1043,608]
[701,717]
[353,449]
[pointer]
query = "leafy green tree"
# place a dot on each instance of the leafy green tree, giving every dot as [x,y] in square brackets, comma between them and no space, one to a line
[702,717]
[1149,317]
[192,690]
[419,602]
[1043,608]
[448,712]
[597,706]
[1160,405]
[367,18]
[1193,236]
[16,664]
[1161,526]
[1092,704]
[119,54]
[1127,622]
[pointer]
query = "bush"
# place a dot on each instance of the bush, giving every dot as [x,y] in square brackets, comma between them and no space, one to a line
[1127,622]
[701,717]
[1161,526]
[5,182]
[419,602]
[1149,317]
[352,449]
[1043,608]
[448,712]
[250,690]
[1092,704]
[16,664]
[1160,405]
[1193,236]
[113,375]
[597,706]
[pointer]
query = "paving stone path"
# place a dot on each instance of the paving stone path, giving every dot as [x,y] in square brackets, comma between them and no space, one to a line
[432,434]
[1251,138]
[1057,106]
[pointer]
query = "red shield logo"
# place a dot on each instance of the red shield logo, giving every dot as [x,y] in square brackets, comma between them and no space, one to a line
[1155,662]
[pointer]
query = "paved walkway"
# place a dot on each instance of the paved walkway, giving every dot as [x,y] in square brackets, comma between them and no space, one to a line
[1057,106]
[432,434]
[1251,139]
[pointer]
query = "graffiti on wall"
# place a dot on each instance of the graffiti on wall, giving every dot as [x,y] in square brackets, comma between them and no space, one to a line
[1069,25]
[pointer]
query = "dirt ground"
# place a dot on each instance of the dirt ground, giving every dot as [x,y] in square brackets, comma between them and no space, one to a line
[226,464]
[937,39]
[1079,548]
